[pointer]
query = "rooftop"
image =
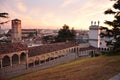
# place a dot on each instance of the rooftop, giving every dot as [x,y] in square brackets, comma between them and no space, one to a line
[37,50]
[12,47]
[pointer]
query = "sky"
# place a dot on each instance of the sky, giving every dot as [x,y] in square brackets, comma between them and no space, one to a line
[53,14]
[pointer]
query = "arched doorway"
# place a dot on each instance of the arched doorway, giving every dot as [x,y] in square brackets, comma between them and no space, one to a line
[42,59]
[15,59]
[91,53]
[37,61]
[23,58]
[31,63]
[6,61]
[74,50]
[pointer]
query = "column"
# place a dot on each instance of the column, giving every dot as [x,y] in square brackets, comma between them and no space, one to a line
[26,61]
[10,61]
[1,63]
[94,53]
[34,64]
[19,59]
[39,62]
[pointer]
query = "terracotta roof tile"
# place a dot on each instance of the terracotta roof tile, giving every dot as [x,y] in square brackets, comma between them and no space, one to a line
[33,51]
[12,47]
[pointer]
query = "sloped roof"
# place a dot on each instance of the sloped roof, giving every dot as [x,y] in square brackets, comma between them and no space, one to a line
[12,47]
[33,51]
[16,19]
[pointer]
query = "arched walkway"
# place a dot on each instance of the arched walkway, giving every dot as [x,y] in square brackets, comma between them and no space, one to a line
[31,63]
[23,58]
[15,59]
[42,59]
[37,61]
[92,53]
[6,61]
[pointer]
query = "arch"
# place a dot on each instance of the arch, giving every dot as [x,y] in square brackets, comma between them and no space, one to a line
[74,50]
[31,63]
[102,49]
[63,51]
[37,61]
[15,59]
[6,61]
[91,53]
[56,55]
[42,60]
[70,50]
[23,58]
[48,58]
[52,56]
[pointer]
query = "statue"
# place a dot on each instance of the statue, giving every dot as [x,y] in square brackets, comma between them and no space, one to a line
[98,23]
[91,22]
[95,23]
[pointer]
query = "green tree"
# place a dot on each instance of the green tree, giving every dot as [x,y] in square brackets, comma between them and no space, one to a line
[115,24]
[48,39]
[65,34]
[3,15]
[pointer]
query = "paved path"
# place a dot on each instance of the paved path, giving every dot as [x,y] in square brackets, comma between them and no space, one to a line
[117,77]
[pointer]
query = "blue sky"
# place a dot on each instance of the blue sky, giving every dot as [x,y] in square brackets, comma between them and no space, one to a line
[53,14]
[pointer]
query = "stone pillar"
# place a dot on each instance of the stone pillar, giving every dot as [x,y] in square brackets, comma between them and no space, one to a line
[34,64]
[10,61]
[27,61]
[39,62]
[19,59]
[1,63]
[94,53]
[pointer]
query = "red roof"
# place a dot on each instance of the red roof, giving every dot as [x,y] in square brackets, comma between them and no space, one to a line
[12,47]
[33,51]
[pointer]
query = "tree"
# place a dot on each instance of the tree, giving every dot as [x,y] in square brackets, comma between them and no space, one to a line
[65,34]
[4,15]
[48,39]
[113,33]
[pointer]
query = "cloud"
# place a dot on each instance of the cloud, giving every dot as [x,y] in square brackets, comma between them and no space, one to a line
[21,7]
[77,13]
[68,2]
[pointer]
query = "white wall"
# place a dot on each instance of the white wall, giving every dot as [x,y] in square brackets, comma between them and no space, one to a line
[94,37]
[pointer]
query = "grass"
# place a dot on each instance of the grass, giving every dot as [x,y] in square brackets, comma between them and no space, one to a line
[97,68]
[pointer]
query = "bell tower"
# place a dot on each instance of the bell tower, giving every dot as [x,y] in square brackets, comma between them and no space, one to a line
[94,34]
[16,30]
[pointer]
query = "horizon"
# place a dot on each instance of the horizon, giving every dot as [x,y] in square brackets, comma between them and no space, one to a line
[54,14]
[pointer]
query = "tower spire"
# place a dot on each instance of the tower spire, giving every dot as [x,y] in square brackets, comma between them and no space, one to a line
[91,23]
[95,23]
[98,23]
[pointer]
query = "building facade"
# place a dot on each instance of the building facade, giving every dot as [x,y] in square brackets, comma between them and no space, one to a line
[17,58]
[94,37]
[16,30]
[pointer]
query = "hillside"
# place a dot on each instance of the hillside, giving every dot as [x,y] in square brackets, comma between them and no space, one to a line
[97,68]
